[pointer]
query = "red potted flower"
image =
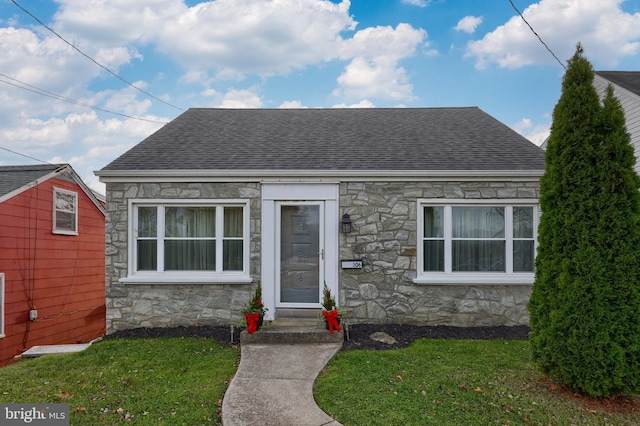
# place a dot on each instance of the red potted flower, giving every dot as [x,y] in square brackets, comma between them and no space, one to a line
[330,311]
[254,311]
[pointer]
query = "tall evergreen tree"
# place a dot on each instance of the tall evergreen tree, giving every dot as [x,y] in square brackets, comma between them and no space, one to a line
[585,303]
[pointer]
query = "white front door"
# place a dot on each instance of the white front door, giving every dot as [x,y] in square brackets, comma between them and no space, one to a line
[300,224]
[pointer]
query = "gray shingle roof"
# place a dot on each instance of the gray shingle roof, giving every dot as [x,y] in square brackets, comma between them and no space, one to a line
[14,177]
[398,139]
[629,80]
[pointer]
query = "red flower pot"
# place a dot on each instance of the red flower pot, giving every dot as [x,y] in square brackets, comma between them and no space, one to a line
[252,321]
[332,320]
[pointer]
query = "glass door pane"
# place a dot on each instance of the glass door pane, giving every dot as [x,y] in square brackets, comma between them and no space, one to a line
[300,253]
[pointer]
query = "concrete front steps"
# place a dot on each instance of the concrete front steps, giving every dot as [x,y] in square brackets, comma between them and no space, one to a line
[293,326]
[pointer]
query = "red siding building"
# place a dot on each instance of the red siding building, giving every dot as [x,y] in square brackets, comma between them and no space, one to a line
[52,259]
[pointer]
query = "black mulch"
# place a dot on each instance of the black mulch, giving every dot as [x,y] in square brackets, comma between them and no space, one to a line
[358,335]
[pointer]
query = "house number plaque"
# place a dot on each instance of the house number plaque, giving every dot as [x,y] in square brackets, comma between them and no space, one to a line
[351,264]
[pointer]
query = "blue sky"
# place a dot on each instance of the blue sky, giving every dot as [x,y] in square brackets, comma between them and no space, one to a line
[284,53]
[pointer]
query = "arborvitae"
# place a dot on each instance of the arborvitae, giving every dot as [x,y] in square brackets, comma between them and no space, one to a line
[585,303]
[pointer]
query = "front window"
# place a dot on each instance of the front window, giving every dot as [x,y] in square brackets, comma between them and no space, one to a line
[468,241]
[65,212]
[190,238]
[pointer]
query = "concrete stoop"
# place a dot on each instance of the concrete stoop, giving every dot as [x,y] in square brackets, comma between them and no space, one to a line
[292,331]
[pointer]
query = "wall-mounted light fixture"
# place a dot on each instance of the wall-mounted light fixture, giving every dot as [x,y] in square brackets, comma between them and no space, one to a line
[346,223]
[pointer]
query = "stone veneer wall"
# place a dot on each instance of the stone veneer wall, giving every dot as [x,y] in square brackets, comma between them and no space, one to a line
[384,215]
[385,237]
[169,305]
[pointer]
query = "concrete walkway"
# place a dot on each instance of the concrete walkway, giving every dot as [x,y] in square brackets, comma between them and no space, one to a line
[274,385]
[37,351]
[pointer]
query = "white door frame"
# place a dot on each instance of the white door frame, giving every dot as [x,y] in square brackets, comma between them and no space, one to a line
[272,194]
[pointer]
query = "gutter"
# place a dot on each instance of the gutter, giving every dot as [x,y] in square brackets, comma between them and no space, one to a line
[313,175]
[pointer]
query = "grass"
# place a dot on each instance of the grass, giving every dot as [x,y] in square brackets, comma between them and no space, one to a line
[453,382]
[174,381]
[181,381]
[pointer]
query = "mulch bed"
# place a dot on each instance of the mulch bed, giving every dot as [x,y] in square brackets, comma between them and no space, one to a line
[358,334]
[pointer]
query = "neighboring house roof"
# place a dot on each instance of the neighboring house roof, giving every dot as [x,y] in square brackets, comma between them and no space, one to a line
[629,80]
[626,87]
[374,139]
[17,179]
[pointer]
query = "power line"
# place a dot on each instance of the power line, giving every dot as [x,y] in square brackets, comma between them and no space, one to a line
[93,60]
[39,91]
[26,156]
[539,38]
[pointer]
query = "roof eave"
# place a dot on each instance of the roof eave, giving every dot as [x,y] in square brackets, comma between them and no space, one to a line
[342,175]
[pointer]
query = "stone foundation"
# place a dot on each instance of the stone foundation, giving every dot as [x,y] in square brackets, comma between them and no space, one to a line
[169,305]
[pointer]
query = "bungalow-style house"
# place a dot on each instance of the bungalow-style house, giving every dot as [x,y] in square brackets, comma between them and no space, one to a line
[425,215]
[626,87]
[52,265]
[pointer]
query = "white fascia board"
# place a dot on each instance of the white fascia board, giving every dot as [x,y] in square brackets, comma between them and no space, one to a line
[315,175]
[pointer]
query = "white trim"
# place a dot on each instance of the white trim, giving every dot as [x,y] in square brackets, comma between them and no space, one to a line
[329,193]
[2,293]
[475,202]
[465,278]
[182,278]
[301,175]
[186,277]
[54,229]
[300,192]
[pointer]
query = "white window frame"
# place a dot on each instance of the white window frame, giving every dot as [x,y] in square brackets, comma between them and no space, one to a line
[63,231]
[195,277]
[450,277]
[2,305]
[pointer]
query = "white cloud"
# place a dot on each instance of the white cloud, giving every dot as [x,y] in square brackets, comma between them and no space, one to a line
[535,133]
[375,78]
[388,42]
[606,31]
[291,105]
[126,101]
[419,3]
[230,40]
[374,71]
[241,99]
[234,38]
[83,140]
[362,104]
[468,24]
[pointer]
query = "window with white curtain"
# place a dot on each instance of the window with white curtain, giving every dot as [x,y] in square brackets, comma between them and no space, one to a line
[486,241]
[190,238]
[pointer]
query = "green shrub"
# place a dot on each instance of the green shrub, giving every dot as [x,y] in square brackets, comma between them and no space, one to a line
[585,304]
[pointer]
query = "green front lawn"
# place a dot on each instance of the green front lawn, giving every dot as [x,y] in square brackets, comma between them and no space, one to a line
[455,382]
[173,381]
[181,381]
